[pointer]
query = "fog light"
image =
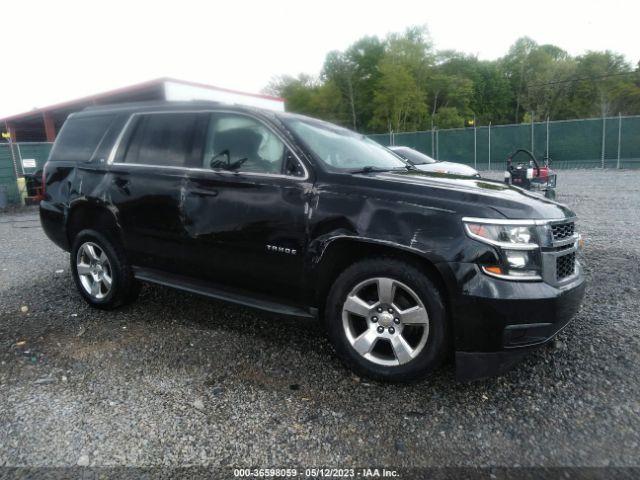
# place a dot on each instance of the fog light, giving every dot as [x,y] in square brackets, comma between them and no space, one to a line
[517,258]
[521,263]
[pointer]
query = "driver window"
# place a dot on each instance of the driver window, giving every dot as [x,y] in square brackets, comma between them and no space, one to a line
[240,143]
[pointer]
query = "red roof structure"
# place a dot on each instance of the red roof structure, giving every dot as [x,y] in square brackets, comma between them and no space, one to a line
[42,124]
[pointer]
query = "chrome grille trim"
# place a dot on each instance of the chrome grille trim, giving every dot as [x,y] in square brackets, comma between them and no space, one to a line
[560,231]
[565,266]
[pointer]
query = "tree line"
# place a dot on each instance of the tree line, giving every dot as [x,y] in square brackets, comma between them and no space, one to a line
[402,83]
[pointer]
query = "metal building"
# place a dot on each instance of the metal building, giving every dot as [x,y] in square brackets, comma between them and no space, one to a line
[42,124]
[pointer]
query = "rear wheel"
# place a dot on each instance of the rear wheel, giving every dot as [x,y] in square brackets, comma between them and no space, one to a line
[387,321]
[101,271]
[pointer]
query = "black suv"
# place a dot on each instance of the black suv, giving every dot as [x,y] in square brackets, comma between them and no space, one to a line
[300,217]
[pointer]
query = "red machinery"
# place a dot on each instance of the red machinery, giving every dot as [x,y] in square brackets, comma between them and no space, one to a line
[530,175]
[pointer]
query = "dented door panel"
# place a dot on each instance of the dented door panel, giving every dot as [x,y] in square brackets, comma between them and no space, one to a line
[246,230]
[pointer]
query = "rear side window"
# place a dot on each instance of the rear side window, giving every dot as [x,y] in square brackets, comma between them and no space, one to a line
[163,139]
[80,137]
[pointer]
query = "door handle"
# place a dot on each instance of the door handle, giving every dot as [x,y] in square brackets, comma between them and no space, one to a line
[120,182]
[95,161]
[203,193]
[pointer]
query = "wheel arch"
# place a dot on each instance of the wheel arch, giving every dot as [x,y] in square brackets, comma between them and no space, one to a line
[84,214]
[340,252]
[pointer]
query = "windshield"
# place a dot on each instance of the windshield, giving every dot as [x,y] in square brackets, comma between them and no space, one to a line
[414,156]
[343,149]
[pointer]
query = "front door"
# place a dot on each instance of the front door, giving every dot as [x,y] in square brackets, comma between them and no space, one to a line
[245,208]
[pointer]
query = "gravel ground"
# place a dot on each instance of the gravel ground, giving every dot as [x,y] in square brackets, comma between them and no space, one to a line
[175,379]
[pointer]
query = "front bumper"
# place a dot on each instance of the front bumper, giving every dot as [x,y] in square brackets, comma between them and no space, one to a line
[497,322]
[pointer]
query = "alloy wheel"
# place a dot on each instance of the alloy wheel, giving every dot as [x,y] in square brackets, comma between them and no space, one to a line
[94,270]
[385,321]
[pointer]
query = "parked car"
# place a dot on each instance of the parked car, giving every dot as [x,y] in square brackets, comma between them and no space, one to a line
[427,164]
[300,217]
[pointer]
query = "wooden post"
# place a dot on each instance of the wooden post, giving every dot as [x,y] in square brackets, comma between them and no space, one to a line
[12,141]
[49,127]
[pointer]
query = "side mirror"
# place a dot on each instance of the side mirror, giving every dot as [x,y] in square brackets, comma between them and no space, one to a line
[222,159]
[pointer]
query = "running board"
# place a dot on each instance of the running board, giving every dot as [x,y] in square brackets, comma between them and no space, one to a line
[207,289]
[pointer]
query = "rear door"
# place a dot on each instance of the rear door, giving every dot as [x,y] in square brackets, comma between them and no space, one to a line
[147,178]
[245,207]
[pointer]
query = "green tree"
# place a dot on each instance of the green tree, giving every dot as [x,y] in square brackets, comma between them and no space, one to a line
[297,91]
[355,73]
[398,101]
[492,98]
[450,83]
[603,85]
[516,67]
[401,83]
[448,117]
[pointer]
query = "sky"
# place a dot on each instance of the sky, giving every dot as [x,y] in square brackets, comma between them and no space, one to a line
[55,51]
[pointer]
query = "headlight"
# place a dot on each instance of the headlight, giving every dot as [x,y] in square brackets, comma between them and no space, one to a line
[522,237]
[517,247]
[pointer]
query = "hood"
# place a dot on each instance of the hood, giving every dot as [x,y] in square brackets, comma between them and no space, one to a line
[449,167]
[468,196]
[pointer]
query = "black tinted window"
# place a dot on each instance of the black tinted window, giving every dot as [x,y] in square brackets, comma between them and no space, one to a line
[79,138]
[241,143]
[163,139]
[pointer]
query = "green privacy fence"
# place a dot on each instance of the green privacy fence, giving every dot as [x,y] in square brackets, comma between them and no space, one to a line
[611,142]
[33,152]
[8,185]
[17,160]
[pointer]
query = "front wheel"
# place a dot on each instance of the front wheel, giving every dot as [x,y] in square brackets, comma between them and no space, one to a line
[387,321]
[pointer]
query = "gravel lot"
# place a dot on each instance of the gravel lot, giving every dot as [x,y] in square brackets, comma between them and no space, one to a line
[176,379]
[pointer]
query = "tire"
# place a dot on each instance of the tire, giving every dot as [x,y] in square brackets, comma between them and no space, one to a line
[122,288]
[392,361]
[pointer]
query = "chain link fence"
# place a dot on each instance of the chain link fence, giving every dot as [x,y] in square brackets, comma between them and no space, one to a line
[18,160]
[611,142]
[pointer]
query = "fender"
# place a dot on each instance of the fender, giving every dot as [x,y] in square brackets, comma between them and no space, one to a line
[319,246]
[100,209]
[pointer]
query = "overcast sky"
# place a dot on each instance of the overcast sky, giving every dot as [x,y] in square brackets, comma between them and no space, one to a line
[59,50]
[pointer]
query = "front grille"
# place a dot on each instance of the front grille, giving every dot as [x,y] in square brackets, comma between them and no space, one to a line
[561,231]
[565,265]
